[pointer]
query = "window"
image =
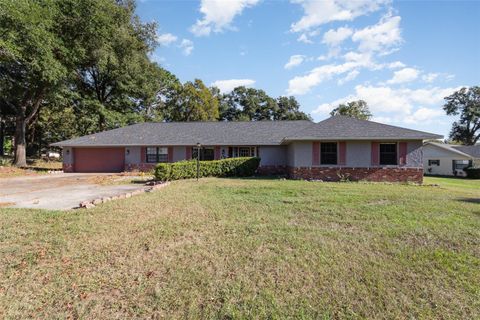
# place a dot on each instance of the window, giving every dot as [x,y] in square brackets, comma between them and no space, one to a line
[245,152]
[157,154]
[460,164]
[433,162]
[206,154]
[388,153]
[328,153]
[235,152]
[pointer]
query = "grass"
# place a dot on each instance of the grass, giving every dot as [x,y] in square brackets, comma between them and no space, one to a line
[34,167]
[250,248]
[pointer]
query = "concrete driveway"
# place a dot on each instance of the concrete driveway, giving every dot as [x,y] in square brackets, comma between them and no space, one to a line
[60,191]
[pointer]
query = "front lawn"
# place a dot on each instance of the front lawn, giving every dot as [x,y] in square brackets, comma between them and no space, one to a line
[250,248]
[34,167]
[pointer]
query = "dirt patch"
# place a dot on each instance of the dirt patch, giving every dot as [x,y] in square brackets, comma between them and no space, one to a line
[6,204]
[8,172]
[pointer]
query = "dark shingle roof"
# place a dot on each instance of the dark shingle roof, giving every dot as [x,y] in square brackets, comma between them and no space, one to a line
[244,133]
[473,151]
[189,133]
[343,127]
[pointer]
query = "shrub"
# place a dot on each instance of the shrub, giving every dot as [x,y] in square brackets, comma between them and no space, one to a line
[473,172]
[5,162]
[232,167]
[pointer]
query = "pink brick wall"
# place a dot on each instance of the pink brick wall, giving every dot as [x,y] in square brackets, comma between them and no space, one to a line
[394,174]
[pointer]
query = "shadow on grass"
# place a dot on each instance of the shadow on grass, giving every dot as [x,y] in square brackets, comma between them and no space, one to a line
[470,200]
[446,177]
[273,177]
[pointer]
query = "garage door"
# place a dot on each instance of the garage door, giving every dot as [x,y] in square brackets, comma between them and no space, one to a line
[99,159]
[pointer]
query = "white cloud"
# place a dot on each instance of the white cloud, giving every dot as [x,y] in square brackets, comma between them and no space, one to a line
[186,46]
[294,61]
[350,76]
[228,85]
[383,37]
[218,15]
[317,12]
[396,65]
[302,84]
[424,115]
[404,75]
[401,105]
[335,37]
[166,39]
[353,61]
[430,77]
[304,38]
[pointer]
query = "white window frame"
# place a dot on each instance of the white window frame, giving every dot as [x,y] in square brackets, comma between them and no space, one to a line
[160,153]
[236,151]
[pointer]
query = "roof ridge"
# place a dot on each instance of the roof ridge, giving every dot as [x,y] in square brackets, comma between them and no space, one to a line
[211,121]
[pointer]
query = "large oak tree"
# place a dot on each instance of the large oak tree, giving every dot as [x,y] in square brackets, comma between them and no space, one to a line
[466,103]
[91,55]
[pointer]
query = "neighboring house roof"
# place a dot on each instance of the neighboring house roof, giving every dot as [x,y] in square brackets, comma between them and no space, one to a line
[245,133]
[466,151]
[343,127]
[473,151]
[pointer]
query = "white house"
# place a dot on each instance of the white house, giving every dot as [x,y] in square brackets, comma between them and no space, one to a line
[448,159]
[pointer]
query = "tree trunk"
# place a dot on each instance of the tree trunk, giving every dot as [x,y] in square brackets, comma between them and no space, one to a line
[20,159]
[2,137]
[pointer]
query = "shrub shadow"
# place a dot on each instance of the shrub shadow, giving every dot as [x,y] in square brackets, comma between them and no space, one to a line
[470,200]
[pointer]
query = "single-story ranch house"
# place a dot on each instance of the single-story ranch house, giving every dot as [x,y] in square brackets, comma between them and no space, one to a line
[449,159]
[337,147]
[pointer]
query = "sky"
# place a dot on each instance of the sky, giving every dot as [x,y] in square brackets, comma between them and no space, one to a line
[402,58]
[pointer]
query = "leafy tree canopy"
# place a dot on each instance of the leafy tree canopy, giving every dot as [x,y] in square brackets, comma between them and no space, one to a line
[355,109]
[466,103]
[249,104]
[192,101]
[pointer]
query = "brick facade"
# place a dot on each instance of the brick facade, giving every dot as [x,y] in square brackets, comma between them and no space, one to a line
[379,174]
[272,170]
[67,167]
[384,174]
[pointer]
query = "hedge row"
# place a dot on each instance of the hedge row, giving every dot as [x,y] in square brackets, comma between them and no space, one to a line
[232,167]
[472,172]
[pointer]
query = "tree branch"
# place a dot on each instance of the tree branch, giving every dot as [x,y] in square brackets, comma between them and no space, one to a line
[36,107]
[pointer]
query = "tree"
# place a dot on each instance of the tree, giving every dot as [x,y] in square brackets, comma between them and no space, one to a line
[288,108]
[192,101]
[7,114]
[355,109]
[249,104]
[31,62]
[466,103]
[92,52]
[114,78]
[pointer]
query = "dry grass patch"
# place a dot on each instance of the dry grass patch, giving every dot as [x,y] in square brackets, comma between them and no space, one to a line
[240,248]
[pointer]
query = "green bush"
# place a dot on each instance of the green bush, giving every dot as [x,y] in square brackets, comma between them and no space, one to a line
[4,162]
[232,167]
[473,172]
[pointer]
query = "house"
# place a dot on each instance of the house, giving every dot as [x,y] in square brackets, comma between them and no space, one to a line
[448,159]
[336,147]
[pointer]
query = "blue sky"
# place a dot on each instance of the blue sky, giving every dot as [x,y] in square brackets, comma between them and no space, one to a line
[401,57]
